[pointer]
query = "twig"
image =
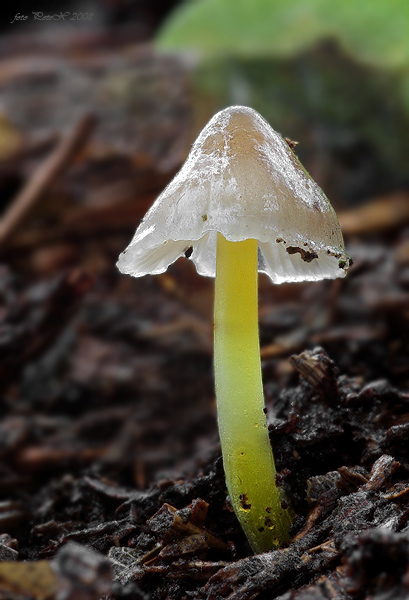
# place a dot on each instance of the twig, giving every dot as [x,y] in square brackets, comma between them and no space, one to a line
[44,177]
[382,214]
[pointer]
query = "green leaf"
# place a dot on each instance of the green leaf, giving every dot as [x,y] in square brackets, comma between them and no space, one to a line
[374,31]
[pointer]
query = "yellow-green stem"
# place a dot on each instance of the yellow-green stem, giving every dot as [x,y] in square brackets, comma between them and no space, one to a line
[247,456]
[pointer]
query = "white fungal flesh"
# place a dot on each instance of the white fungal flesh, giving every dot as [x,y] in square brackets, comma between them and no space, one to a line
[241,179]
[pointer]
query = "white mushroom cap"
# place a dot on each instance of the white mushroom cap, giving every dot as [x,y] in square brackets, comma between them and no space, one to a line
[241,179]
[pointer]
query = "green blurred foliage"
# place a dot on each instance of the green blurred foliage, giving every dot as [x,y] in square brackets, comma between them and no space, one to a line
[375,31]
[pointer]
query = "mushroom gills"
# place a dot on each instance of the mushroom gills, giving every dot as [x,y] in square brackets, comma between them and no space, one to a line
[282,266]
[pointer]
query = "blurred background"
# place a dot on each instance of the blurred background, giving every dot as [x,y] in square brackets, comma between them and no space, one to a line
[99,103]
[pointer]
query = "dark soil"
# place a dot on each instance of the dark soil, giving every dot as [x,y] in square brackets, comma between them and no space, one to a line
[109,444]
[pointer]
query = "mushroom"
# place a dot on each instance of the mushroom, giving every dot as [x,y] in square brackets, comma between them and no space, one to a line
[242,203]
